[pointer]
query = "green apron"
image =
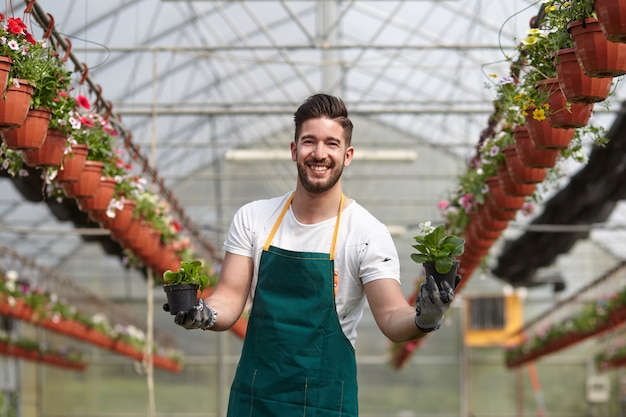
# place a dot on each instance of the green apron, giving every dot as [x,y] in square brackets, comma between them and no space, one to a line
[296,360]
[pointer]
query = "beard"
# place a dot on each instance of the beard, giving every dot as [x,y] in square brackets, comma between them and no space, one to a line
[318,186]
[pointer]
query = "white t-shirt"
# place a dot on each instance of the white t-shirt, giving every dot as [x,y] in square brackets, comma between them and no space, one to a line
[364,250]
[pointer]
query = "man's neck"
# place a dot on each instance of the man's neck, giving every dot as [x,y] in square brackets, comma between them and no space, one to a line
[315,208]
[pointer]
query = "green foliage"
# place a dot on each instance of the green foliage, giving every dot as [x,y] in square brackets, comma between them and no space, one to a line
[190,272]
[434,245]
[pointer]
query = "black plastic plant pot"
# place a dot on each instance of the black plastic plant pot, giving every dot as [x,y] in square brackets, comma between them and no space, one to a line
[181,297]
[450,277]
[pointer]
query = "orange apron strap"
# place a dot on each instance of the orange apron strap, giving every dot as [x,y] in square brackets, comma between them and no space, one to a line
[268,242]
[336,232]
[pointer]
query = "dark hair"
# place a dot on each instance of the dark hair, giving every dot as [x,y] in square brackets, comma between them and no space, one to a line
[323,106]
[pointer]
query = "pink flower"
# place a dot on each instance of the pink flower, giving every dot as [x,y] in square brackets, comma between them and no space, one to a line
[83,102]
[443,204]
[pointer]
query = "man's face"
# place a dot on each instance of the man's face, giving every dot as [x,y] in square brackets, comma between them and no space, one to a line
[320,155]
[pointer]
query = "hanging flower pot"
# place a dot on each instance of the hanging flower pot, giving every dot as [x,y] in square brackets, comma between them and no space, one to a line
[520,173]
[530,155]
[87,183]
[14,105]
[612,19]
[50,154]
[501,200]
[122,217]
[562,114]
[5,66]
[544,136]
[512,188]
[597,56]
[102,197]
[151,245]
[489,223]
[576,86]
[73,163]
[31,133]
[128,235]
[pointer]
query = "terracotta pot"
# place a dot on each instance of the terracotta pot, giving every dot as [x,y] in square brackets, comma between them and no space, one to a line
[612,19]
[73,163]
[126,236]
[102,197]
[520,173]
[489,223]
[50,154]
[499,213]
[501,200]
[575,85]
[122,217]
[5,66]
[151,245]
[32,132]
[530,155]
[562,114]
[597,56]
[87,183]
[15,105]
[544,136]
[512,188]
[165,258]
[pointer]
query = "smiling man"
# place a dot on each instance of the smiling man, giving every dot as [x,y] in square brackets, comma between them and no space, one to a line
[310,260]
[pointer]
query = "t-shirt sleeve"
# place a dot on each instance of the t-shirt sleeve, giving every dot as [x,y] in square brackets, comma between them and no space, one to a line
[240,236]
[380,259]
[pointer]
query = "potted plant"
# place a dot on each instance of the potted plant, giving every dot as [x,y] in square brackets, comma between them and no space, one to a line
[181,287]
[437,252]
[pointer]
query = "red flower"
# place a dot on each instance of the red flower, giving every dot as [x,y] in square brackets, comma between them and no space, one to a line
[30,39]
[16,25]
[83,102]
[86,121]
[177,227]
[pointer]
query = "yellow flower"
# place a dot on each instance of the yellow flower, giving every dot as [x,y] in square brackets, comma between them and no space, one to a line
[539,114]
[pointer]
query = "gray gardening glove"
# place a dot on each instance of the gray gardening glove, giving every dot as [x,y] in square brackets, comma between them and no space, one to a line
[433,303]
[201,317]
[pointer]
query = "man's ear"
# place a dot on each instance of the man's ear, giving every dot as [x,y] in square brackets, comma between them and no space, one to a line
[293,151]
[349,156]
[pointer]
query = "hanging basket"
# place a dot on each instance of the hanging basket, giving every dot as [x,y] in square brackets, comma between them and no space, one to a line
[122,218]
[102,197]
[88,182]
[562,114]
[32,132]
[544,136]
[612,19]
[576,86]
[14,105]
[511,187]
[5,67]
[520,173]
[530,155]
[597,56]
[73,163]
[50,154]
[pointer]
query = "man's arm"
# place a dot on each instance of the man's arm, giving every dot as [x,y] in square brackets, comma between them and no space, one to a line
[400,321]
[231,292]
[393,314]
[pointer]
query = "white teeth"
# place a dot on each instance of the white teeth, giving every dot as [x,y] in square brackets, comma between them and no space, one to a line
[316,168]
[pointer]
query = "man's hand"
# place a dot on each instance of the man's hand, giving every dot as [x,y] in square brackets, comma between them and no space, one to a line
[432,303]
[201,316]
